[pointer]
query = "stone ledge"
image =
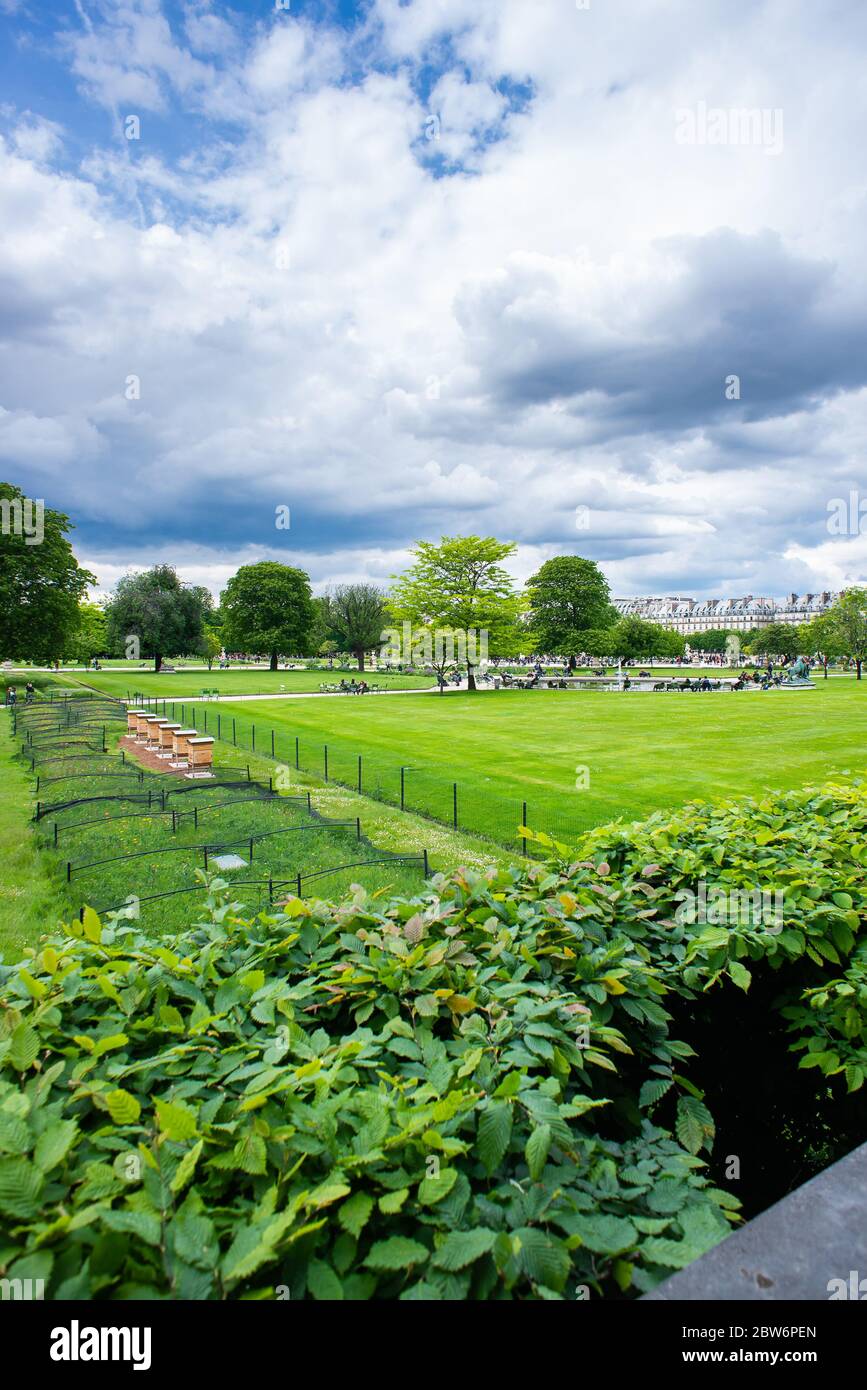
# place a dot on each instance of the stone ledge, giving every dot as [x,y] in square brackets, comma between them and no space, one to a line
[815,1234]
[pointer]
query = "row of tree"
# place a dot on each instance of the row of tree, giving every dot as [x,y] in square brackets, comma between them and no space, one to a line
[459,586]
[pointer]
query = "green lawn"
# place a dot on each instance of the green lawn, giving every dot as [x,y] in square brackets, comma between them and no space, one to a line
[30,900]
[242,681]
[641,751]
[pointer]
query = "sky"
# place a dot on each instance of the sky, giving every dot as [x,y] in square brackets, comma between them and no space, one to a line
[586,277]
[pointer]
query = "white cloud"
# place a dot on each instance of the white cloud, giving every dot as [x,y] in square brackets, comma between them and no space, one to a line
[315,320]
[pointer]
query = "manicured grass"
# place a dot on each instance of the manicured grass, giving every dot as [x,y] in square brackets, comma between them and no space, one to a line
[240,681]
[576,758]
[30,901]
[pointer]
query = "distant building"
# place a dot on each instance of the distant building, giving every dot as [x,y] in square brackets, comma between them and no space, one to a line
[689,615]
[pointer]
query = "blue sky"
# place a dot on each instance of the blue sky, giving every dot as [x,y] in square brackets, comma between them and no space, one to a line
[438,267]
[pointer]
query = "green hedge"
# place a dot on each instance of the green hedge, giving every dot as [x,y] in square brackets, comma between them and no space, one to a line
[443,1099]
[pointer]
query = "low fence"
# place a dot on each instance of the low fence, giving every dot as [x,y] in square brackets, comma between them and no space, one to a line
[208,851]
[274,887]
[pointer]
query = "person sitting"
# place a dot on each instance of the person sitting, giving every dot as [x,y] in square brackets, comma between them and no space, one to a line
[704,684]
[343,687]
[363,687]
[687,684]
[11,695]
[29,692]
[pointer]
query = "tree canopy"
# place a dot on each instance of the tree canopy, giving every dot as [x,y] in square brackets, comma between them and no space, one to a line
[461,586]
[267,607]
[567,598]
[41,582]
[155,614]
[356,615]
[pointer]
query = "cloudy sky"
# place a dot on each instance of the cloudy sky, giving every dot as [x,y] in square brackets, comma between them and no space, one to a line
[421,267]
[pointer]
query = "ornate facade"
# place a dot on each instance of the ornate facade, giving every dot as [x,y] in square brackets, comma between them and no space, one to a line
[689,615]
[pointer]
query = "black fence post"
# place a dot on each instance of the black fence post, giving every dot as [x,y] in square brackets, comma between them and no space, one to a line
[68,872]
[455,805]
[206,720]
[325,749]
[298,885]
[196,817]
[358,827]
[253,748]
[251,849]
[402,786]
[205,848]
[272,743]
[524,822]
[55,834]
[426,864]
[359,774]
[297,755]
[219,723]
[234,740]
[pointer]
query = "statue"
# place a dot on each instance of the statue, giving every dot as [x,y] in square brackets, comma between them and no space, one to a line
[798,675]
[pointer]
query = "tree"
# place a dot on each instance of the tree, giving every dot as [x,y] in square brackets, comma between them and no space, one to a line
[90,638]
[822,638]
[155,614]
[846,625]
[567,598]
[460,586]
[356,615]
[267,607]
[212,645]
[633,638]
[777,639]
[41,582]
[714,640]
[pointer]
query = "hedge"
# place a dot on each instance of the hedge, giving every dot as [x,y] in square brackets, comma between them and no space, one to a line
[473,1095]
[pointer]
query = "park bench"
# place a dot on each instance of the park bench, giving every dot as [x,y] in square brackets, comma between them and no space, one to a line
[210,694]
[200,752]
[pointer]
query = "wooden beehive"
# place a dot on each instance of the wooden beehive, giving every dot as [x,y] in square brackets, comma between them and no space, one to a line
[180,740]
[201,752]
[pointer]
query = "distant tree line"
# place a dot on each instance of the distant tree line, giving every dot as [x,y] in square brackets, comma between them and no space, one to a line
[455,587]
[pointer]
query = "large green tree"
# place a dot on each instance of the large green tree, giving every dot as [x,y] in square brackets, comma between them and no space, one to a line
[777,639]
[41,582]
[267,607]
[356,615]
[846,624]
[633,639]
[155,614]
[715,639]
[567,598]
[460,586]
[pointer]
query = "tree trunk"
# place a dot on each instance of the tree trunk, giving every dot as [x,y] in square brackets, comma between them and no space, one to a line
[572,662]
[858,668]
[273,661]
[158,661]
[471,680]
[825,664]
[360,656]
